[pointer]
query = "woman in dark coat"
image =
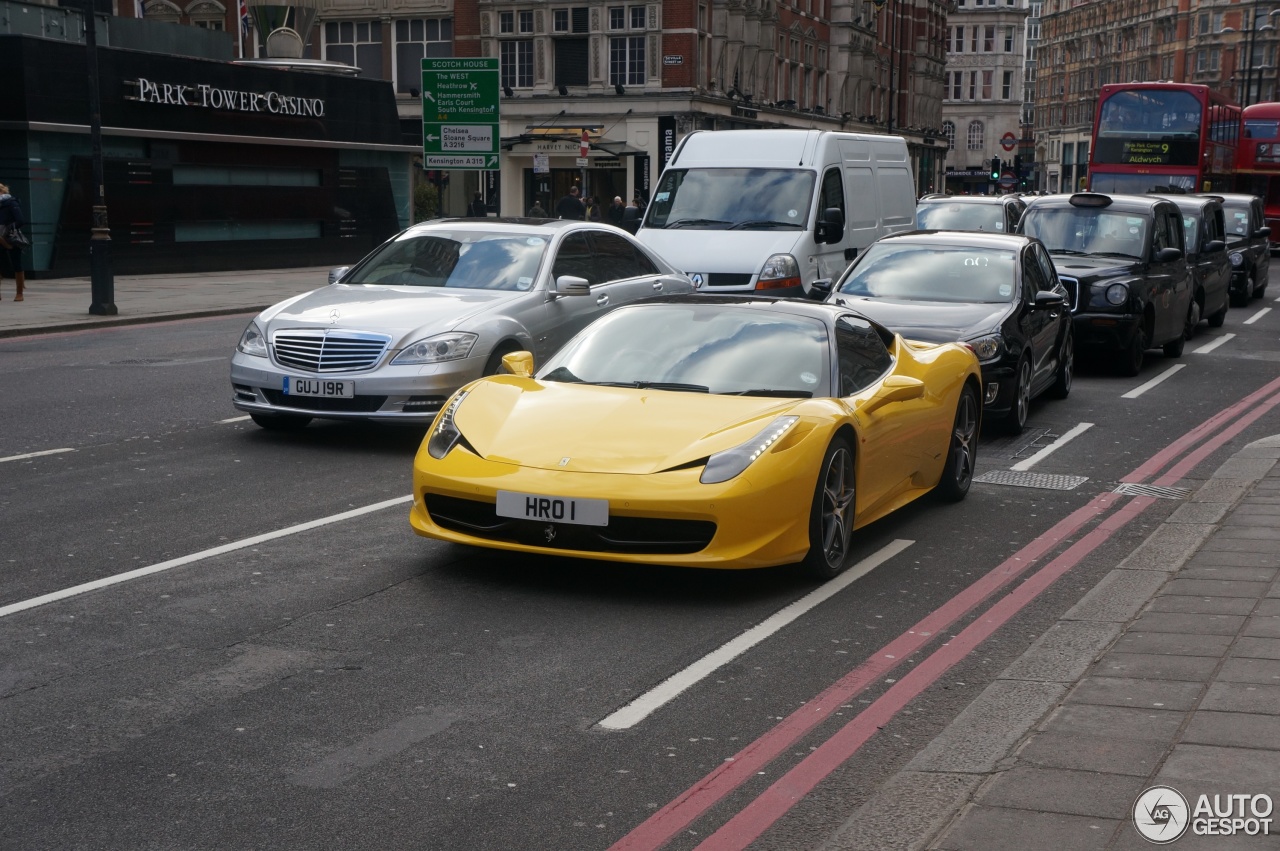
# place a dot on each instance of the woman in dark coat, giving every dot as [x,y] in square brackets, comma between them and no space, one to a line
[11,252]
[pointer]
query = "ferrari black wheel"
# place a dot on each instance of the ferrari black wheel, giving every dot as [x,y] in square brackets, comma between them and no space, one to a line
[957,475]
[280,422]
[831,517]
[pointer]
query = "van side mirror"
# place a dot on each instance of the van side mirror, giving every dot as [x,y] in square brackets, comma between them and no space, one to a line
[1214,245]
[572,285]
[830,226]
[337,272]
[1168,255]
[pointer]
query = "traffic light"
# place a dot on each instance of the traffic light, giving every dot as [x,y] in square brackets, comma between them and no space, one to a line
[1017,166]
[995,168]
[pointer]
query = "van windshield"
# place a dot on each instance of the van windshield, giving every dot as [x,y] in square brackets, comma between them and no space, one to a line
[732,199]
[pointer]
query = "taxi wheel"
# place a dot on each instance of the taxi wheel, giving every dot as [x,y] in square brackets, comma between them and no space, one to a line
[1242,299]
[1130,364]
[1016,419]
[1066,373]
[957,475]
[1193,317]
[1216,320]
[280,422]
[831,516]
[1173,348]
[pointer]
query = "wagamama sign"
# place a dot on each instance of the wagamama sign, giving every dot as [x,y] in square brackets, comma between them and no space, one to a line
[212,97]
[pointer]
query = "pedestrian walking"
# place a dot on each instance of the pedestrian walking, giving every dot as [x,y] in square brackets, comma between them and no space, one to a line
[536,211]
[594,213]
[476,209]
[571,206]
[12,240]
[615,211]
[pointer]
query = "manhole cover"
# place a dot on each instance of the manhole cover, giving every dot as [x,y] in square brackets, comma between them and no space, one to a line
[1153,490]
[1048,481]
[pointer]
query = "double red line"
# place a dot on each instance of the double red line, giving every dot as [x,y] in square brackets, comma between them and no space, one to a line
[770,806]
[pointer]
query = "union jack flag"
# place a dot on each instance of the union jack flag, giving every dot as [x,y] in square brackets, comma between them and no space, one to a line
[244,17]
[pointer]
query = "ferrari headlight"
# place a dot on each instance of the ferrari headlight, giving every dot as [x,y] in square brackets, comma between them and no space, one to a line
[987,348]
[1117,294]
[442,347]
[723,466]
[1236,258]
[253,341]
[445,434]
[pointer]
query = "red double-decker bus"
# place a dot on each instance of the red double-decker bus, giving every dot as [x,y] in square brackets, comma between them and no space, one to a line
[1258,161]
[1163,137]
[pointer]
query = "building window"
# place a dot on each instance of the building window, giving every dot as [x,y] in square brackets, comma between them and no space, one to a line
[516,62]
[973,85]
[1006,86]
[1008,39]
[974,37]
[949,130]
[560,20]
[417,40]
[525,20]
[957,86]
[506,22]
[957,39]
[357,43]
[977,136]
[617,18]
[987,79]
[637,17]
[989,39]
[626,60]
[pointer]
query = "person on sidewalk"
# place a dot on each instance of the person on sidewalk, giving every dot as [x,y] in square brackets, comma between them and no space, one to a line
[477,208]
[11,251]
[571,206]
[536,211]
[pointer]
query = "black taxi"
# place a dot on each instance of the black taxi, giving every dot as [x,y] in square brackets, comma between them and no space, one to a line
[1122,259]
[1204,232]
[1248,246]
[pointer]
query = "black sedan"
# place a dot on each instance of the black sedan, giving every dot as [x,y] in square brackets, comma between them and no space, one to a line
[997,293]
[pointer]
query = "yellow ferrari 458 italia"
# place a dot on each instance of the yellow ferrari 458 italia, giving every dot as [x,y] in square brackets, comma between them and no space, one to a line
[704,431]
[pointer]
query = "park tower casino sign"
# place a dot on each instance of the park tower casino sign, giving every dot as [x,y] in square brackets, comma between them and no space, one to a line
[213,97]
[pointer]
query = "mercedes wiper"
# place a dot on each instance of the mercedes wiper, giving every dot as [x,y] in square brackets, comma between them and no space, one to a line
[679,223]
[762,223]
[774,391]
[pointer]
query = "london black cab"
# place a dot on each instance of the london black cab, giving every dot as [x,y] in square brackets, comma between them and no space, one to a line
[1248,246]
[1203,226]
[1122,259]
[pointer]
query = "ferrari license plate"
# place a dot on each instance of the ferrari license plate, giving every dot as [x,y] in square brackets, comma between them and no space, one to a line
[553,509]
[332,388]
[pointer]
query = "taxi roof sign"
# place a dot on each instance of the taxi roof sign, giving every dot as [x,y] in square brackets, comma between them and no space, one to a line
[1090,199]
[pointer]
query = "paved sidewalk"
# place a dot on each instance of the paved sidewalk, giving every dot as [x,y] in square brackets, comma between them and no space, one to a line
[1166,673]
[62,304]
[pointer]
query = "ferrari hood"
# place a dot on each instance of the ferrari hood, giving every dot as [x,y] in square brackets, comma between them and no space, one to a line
[586,428]
[397,311]
[931,321]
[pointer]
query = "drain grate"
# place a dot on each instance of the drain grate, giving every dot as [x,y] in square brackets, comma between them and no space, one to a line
[1153,490]
[1048,481]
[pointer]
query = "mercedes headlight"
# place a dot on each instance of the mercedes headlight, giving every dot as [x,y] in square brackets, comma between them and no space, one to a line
[1236,258]
[1117,294]
[253,341]
[723,466]
[442,347]
[987,348]
[445,434]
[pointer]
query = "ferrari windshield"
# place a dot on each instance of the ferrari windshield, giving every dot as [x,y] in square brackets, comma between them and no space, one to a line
[701,348]
[732,199]
[960,216]
[465,259]
[1087,230]
[933,272]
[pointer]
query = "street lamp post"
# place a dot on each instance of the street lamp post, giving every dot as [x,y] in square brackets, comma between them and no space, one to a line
[101,283]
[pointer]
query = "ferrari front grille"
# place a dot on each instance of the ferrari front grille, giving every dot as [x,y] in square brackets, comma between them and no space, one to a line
[324,350]
[638,535]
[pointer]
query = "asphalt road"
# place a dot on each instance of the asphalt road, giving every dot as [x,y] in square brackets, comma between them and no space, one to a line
[346,684]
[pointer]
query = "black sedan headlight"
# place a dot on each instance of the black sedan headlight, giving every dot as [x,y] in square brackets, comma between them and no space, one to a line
[987,348]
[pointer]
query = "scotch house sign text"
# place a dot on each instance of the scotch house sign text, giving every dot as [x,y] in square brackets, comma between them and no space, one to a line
[213,97]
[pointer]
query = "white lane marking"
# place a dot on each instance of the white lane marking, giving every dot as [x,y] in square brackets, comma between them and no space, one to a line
[1213,344]
[1028,463]
[1255,317]
[644,705]
[1278,299]
[107,581]
[1138,391]
[234,420]
[34,454]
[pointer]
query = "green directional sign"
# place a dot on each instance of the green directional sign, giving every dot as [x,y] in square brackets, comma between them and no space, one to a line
[460,113]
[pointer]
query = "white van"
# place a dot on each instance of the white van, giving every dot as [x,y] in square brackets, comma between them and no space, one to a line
[774,210]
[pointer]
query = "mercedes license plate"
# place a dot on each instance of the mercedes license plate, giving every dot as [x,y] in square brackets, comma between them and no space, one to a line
[553,509]
[330,387]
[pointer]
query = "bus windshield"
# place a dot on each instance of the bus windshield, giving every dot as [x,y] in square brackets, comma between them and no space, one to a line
[1149,127]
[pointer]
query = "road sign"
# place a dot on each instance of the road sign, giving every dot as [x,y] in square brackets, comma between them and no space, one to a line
[585,147]
[583,162]
[1007,180]
[460,126]
[1008,141]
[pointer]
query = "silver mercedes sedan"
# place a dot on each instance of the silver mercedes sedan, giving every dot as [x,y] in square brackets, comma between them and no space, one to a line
[431,309]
